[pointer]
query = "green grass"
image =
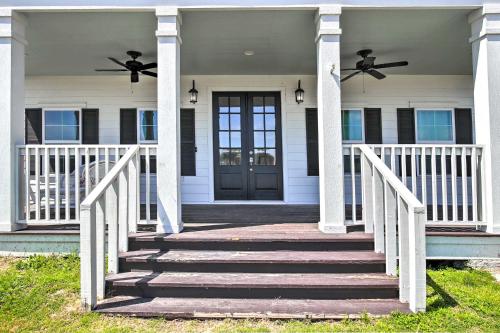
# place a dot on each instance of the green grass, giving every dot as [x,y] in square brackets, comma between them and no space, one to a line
[41,294]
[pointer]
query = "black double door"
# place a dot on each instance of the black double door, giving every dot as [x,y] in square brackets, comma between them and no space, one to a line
[247,146]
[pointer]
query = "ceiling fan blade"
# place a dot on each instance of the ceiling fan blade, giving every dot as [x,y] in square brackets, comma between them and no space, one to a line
[376,74]
[149,66]
[349,76]
[111,70]
[391,64]
[117,62]
[153,74]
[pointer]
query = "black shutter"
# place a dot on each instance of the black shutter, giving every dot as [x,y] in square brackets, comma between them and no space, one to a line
[312,142]
[406,133]
[90,126]
[406,126]
[33,126]
[373,126]
[128,126]
[463,135]
[188,144]
[463,126]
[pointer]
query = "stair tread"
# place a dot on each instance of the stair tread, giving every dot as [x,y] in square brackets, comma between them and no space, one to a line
[253,280]
[253,233]
[268,257]
[248,308]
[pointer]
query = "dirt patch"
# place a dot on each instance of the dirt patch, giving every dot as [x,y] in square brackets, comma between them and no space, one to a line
[492,266]
[6,263]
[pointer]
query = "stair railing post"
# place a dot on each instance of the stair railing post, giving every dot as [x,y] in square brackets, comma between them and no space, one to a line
[390,230]
[88,258]
[378,211]
[123,211]
[367,193]
[112,221]
[100,221]
[133,191]
[404,271]
[417,260]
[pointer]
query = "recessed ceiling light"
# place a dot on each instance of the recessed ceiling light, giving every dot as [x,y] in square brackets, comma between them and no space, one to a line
[248,52]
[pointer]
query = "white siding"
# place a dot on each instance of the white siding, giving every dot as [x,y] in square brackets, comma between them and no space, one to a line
[110,93]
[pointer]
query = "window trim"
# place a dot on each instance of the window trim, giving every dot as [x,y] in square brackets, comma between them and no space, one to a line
[362,111]
[80,125]
[451,110]
[138,126]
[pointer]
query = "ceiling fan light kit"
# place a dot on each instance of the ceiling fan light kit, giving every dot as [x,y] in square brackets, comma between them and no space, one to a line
[133,66]
[367,65]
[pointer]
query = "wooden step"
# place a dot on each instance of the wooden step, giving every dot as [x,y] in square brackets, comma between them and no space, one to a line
[253,261]
[248,308]
[252,238]
[253,285]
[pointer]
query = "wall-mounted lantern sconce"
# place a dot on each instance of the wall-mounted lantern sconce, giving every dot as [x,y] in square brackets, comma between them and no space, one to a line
[299,94]
[193,95]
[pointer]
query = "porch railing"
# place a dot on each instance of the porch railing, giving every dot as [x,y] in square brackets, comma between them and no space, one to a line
[447,179]
[54,179]
[113,202]
[397,219]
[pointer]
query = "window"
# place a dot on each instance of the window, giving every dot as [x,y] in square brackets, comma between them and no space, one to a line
[434,125]
[148,126]
[62,126]
[352,125]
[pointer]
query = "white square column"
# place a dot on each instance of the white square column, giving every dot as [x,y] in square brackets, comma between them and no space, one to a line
[168,152]
[331,174]
[12,45]
[485,39]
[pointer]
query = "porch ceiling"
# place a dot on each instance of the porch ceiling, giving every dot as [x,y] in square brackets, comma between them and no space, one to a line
[433,41]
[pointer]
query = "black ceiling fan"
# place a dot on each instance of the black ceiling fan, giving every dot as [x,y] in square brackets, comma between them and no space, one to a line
[135,67]
[367,65]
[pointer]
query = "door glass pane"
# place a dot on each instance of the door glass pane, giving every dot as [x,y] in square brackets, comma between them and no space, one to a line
[258,104]
[270,156]
[235,156]
[270,140]
[224,157]
[270,122]
[259,156]
[235,122]
[223,104]
[258,121]
[223,122]
[234,103]
[258,139]
[270,103]
[235,139]
[224,139]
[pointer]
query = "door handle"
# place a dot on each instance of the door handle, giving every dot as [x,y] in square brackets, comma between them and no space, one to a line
[250,160]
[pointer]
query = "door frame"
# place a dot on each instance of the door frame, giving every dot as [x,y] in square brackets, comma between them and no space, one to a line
[211,183]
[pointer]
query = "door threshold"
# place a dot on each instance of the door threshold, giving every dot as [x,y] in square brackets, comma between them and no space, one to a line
[249,202]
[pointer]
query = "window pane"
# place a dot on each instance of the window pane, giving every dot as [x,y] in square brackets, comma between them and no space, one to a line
[258,121]
[224,139]
[235,139]
[352,129]
[53,133]
[235,156]
[148,118]
[53,118]
[270,140]
[258,139]
[434,125]
[260,156]
[224,122]
[270,104]
[223,104]
[258,104]
[70,133]
[70,118]
[234,103]
[271,156]
[235,122]
[224,157]
[270,122]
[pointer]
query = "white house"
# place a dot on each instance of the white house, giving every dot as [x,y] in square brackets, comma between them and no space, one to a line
[248,151]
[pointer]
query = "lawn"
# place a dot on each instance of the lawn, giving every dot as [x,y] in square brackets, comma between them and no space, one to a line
[41,294]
